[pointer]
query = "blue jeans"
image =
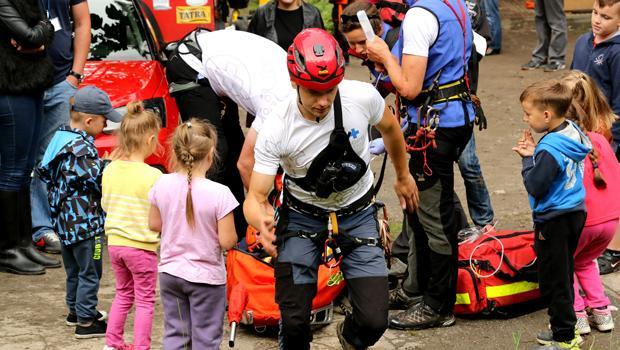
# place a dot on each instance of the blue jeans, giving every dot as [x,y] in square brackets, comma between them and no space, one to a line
[495,23]
[478,200]
[55,114]
[20,120]
[82,262]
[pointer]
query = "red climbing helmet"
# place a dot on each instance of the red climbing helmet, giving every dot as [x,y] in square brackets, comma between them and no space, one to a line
[315,60]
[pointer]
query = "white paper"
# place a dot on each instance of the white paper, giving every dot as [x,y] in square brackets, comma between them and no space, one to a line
[161,5]
[56,23]
[481,44]
[196,2]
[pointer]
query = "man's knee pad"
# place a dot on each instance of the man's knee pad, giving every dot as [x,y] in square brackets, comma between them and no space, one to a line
[369,298]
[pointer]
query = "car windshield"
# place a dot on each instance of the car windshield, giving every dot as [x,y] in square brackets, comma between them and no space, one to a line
[117,32]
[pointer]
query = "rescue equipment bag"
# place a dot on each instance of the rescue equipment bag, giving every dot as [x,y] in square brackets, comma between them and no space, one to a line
[496,270]
[257,277]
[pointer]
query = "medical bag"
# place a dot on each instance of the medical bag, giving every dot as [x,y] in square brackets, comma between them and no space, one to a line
[496,270]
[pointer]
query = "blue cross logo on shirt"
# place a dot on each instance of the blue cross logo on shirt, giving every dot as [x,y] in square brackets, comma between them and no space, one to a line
[354,133]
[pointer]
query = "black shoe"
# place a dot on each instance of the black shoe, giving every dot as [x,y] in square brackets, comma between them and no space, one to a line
[94,330]
[72,319]
[15,261]
[609,262]
[400,300]
[531,65]
[25,243]
[33,254]
[554,66]
[421,316]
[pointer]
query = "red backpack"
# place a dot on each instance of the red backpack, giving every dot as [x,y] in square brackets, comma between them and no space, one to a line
[496,270]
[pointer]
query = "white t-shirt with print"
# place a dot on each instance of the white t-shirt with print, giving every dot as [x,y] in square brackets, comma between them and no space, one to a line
[245,67]
[290,140]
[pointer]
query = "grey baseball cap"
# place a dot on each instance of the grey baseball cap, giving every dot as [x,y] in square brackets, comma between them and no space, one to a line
[92,100]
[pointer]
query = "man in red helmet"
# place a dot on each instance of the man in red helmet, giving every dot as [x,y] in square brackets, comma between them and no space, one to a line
[319,138]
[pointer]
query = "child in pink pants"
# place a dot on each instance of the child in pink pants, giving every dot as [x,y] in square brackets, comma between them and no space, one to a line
[603,207]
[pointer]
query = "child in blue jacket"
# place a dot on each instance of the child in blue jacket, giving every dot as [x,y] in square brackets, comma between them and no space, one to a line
[72,170]
[553,177]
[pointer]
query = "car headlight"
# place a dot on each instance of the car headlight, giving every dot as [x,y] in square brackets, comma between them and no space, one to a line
[156,105]
[112,126]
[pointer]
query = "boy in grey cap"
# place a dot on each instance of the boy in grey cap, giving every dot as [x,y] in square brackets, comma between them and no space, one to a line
[72,170]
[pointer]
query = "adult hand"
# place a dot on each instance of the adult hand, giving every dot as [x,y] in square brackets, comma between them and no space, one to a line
[26,50]
[266,231]
[378,52]
[377,146]
[73,81]
[407,193]
[525,146]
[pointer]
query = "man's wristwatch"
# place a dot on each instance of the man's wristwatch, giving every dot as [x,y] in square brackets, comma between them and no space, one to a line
[77,76]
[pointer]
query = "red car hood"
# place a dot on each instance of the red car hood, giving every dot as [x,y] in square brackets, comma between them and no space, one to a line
[124,81]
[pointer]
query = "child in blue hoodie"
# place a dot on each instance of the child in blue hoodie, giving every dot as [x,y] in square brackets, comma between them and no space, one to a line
[597,53]
[72,170]
[552,174]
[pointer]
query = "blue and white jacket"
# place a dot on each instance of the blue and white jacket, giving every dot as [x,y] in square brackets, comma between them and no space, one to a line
[72,170]
[553,177]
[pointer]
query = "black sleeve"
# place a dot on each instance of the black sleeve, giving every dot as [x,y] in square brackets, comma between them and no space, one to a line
[18,29]
[538,173]
[252,26]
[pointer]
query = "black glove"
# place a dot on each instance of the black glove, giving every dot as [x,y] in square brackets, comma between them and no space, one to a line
[480,119]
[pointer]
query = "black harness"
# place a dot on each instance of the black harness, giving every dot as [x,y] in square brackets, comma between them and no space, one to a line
[337,167]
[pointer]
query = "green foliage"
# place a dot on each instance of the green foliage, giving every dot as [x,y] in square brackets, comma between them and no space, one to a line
[326,12]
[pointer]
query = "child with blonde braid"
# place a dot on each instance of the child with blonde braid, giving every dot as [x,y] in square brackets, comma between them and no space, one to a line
[601,180]
[131,244]
[192,272]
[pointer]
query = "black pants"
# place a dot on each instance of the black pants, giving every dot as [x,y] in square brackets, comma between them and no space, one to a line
[555,244]
[436,246]
[203,103]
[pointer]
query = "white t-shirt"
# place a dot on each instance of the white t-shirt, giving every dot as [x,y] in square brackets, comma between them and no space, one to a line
[420,30]
[245,67]
[290,140]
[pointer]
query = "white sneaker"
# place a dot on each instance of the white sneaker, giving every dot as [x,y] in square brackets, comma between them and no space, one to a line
[602,320]
[582,326]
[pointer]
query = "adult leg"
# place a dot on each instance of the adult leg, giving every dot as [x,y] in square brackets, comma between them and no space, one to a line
[540,54]
[437,216]
[296,276]
[55,114]
[556,21]
[365,271]
[236,139]
[555,244]
[495,25]
[177,319]
[207,308]
[19,118]
[123,298]
[478,199]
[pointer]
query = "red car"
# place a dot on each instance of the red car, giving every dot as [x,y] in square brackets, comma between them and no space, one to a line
[127,55]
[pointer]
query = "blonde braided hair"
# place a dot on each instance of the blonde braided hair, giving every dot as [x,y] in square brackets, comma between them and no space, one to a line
[192,142]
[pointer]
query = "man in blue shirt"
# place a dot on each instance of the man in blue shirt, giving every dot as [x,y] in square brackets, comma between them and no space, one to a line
[68,53]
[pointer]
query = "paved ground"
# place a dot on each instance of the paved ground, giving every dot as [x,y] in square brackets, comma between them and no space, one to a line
[32,308]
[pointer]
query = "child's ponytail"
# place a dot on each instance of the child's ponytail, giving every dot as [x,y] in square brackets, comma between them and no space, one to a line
[599,180]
